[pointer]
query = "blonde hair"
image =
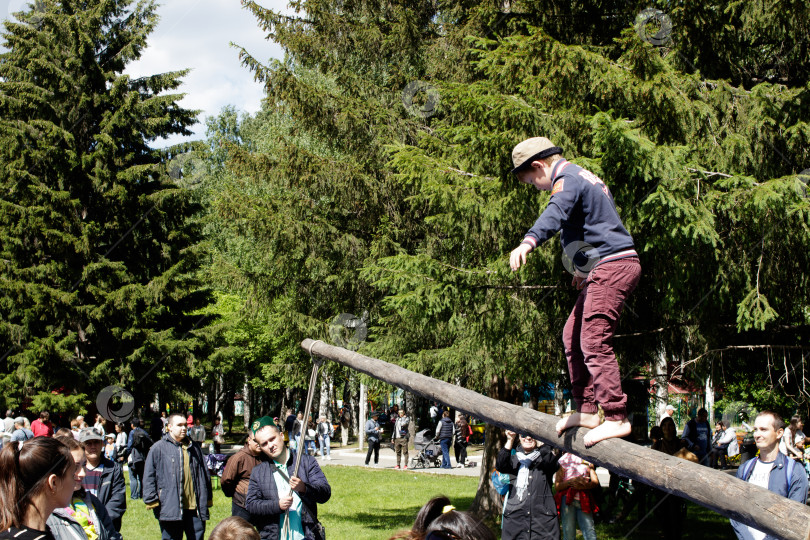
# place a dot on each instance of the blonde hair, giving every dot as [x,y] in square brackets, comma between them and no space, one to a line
[683,453]
[552,159]
[234,528]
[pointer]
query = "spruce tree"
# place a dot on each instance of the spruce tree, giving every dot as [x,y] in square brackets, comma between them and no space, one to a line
[99,252]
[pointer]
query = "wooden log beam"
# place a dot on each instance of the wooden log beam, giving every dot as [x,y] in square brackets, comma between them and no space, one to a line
[711,488]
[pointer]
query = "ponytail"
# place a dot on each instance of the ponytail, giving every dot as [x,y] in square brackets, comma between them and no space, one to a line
[24,472]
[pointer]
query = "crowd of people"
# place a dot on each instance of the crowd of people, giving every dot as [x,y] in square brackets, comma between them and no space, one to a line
[69,482]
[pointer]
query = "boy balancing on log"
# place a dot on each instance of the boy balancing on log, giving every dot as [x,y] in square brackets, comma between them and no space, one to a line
[606,269]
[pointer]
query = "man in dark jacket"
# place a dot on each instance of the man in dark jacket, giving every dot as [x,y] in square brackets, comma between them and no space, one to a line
[136,460]
[698,434]
[289,423]
[444,431]
[373,432]
[276,499]
[104,478]
[176,484]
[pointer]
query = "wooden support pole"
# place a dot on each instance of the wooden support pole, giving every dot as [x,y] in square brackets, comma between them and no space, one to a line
[713,489]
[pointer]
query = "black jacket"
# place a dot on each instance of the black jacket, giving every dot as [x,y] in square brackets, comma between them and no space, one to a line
[262,497]
[112,490]
[446,428]
[535,517]
[136,454]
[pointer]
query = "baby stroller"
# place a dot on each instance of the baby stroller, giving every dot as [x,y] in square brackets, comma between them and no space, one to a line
[428,450]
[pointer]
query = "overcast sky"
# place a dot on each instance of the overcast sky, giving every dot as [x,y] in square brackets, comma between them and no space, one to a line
[196,34]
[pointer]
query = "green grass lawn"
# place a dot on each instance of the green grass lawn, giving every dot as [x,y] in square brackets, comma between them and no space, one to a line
[370,504]
[366,504]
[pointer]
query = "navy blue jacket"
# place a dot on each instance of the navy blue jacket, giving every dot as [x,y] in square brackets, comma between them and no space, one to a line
[136,454]
[445,428]
[262,496]
[163,479]
[112,490]
[582,208]
[699,435]
[794,488]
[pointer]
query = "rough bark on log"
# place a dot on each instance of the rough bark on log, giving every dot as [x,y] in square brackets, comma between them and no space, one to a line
[711,488]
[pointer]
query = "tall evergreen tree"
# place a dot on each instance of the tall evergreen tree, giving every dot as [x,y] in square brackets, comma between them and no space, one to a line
[99,254]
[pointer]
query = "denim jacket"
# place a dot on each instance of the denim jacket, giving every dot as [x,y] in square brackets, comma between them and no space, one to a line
[794,488]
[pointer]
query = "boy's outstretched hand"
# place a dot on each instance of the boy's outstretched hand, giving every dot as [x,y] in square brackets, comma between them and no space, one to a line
[518,256]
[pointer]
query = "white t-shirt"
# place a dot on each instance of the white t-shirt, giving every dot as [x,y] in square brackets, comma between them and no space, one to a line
[760,477]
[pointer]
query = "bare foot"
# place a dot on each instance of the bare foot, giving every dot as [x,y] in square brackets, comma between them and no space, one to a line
[609,429]
[578,419]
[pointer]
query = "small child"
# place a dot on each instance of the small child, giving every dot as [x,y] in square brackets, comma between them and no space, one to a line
[606,269]
[109,448]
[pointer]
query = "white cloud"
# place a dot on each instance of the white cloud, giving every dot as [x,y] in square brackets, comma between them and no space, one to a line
[195,34]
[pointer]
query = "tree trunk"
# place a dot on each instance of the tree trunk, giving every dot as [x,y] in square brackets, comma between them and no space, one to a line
[361,417]
[247,392]
[487,503]
[714,489]
[409,403]
[220,402]
[559,399]
[661,382]
[332,408]
[228,406]
[710,399]
[212,402]
[348,397]
[323,403]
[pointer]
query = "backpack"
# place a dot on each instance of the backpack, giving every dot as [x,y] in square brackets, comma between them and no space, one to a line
[788,470]
[141,442]
[500,481]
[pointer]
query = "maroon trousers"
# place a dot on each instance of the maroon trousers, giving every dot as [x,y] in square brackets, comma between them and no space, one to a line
[588,337]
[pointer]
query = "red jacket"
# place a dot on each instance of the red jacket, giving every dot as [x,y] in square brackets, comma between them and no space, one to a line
[585,499]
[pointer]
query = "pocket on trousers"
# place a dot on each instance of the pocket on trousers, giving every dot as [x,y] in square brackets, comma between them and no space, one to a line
[595,299]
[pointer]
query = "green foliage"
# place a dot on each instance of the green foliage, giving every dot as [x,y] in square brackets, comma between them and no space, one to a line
[99,252]
[753,396]
[71,405]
